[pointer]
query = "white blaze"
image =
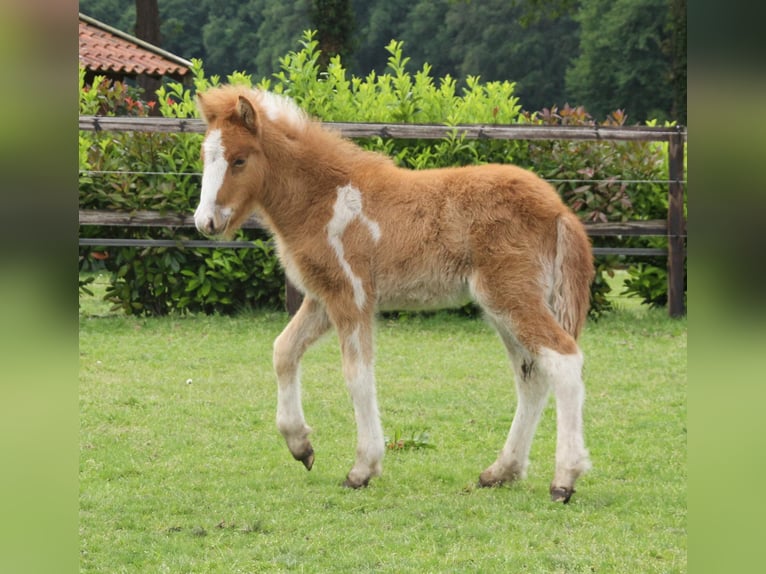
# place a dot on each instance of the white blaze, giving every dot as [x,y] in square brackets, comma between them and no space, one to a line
[348,207]
[213,173]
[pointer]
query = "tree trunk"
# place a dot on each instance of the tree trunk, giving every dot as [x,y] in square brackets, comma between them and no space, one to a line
[334,22]
[148,21]
[148,29]
[678,59]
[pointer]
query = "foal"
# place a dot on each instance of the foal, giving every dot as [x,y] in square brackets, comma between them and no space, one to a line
[355,233]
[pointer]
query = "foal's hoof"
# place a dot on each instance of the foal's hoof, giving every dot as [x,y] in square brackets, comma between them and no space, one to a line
[497,475]
[488,480]
[349,483]
[307,458]
[561,494]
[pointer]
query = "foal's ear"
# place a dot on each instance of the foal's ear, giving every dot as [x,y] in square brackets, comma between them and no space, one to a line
[202,107]
[247,113]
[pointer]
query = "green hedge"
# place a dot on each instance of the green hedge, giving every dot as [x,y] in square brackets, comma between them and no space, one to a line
[162,173]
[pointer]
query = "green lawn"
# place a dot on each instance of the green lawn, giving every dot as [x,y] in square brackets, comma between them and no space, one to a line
[183,470]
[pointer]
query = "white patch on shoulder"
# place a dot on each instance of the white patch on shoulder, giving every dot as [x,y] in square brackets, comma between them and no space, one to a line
[348,207]
[278,107]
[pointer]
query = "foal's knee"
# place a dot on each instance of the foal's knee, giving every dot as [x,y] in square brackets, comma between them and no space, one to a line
[561,370]
[283,358]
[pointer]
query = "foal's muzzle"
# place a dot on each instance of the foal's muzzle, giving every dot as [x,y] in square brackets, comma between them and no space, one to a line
[212,223]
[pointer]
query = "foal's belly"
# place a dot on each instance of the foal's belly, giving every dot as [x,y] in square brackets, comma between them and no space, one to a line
[424,293]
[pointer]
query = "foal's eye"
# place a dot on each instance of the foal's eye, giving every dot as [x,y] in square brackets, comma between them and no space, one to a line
[239,162]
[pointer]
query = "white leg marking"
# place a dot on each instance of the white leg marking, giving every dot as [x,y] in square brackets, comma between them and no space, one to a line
[532,395]
[360,379]
[348,207]
[306,327]
[213,173]
[564,374]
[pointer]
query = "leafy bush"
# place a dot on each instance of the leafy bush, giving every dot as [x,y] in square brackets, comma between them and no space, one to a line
[163,171]
[400,97]
[649,281]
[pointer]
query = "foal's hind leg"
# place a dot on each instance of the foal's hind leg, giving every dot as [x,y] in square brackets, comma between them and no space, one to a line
[545,357]
[564,371]
[532,393]
[308,324]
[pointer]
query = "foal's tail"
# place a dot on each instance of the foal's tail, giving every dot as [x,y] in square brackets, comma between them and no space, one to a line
[573,273]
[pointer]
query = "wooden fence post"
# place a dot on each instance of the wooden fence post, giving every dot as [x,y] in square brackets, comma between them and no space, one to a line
[676,226]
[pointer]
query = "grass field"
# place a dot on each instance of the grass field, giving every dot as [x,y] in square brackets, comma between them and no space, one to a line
[183,470]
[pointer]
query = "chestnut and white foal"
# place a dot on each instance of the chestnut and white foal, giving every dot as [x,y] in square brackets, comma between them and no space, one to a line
[355,233]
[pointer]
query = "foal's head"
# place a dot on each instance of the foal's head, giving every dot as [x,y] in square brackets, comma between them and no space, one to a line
[234,163]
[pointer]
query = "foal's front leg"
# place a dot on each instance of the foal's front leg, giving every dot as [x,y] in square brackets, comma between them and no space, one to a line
[308,324]
[357,351]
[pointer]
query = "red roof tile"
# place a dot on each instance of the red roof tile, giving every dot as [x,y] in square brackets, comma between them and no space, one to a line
[104,49]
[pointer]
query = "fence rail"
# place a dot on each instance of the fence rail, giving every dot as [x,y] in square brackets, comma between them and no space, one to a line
[108,218]
[674,228]
[408,131]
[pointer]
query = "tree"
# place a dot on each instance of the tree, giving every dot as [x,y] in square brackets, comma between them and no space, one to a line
[148,29]
[230,35]
[622,62]
[148,21]
[181,24]
[334,22]
[251,36]
[491,39]
[677,49]
[116,13]
[377,23]
[602,54]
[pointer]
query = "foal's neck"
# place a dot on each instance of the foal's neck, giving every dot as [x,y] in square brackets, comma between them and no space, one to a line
[303,176]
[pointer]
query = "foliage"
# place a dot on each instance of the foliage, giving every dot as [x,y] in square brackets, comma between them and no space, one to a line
[158,280]
[411,441]
[334,22]
[394,96]
[622,61]
[676,48]
[491,39]
[164,168]
[84,285]
[648,280]
[530,42]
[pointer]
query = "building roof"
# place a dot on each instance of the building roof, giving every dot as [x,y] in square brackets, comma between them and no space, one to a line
[106,50]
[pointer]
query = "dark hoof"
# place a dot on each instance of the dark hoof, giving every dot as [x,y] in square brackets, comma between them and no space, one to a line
[561,494]
[493,477]
[348,483]
[306,458]
[490,482]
